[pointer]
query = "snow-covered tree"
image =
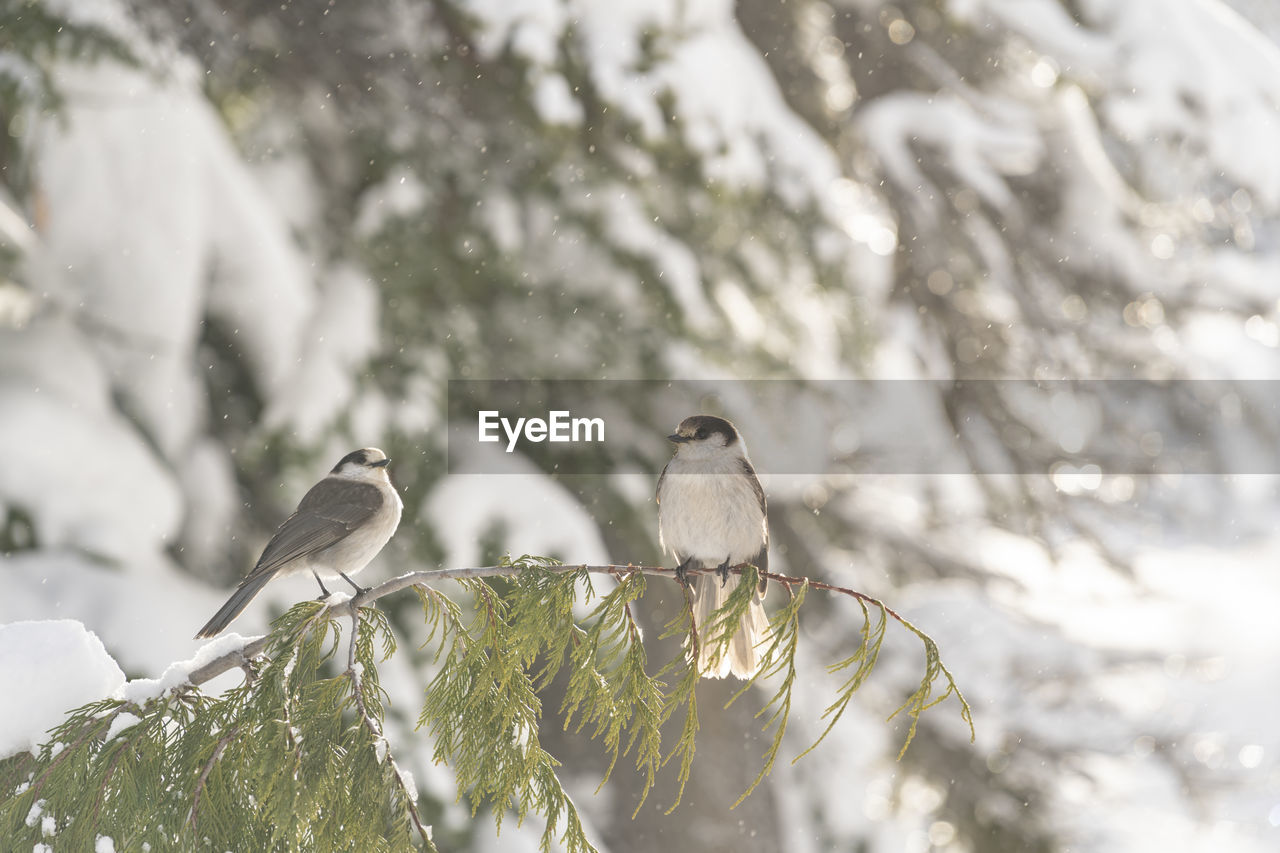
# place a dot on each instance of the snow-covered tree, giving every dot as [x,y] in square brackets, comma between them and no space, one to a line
[273,232]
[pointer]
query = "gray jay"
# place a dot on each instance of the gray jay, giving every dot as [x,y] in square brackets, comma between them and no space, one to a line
[711,514]
[340,525]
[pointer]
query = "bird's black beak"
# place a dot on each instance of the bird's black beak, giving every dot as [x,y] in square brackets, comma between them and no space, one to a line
[677,438]
[382,464]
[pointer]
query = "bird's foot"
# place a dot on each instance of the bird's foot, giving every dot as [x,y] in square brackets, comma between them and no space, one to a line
[682,571]
[360,590]
[723,571]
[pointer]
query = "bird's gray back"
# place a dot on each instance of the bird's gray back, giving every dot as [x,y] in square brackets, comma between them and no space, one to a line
[327,515]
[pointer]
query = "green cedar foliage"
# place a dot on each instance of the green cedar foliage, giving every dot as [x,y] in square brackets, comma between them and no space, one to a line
[294,757]
[291,759]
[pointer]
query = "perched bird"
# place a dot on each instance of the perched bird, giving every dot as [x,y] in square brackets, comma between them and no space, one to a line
[340,525]
[711,514]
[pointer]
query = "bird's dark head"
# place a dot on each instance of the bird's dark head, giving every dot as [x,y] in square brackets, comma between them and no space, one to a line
[700,435]
[362,464]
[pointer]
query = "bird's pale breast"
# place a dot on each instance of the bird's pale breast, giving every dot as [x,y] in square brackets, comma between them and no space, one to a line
[709,516]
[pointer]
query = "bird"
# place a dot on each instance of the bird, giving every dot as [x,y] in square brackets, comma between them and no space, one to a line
[712,514]
[340,525]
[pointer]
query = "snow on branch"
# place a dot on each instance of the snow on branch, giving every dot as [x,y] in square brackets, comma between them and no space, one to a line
[303,735]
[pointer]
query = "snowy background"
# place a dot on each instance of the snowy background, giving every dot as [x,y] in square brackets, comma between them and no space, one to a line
[238,241]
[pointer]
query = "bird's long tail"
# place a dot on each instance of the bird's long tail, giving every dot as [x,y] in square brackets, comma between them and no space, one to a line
[238,601]
[741,657]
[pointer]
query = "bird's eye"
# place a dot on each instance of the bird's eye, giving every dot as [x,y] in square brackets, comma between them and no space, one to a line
[700,434]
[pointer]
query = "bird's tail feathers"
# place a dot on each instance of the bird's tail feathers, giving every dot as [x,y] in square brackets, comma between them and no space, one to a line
[741,657]
[238,601]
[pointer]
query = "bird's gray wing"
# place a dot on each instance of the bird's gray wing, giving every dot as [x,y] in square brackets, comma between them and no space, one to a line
[657,497]
[750,474]
[761,560]
[327,515]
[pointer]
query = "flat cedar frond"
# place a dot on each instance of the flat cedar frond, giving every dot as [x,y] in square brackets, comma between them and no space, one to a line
[780,657]
[683,693]
[725,619]
[919,701]
[865,657]
[516,642]
[608,686]
[272,763]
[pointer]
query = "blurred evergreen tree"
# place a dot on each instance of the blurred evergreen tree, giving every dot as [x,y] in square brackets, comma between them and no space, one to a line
[804,190]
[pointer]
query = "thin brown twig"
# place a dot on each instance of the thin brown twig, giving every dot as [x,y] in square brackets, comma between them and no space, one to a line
[694,642]
[106,780]
[91,728]
[362,709]
[237,658]
[423,578]
[223,743]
